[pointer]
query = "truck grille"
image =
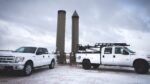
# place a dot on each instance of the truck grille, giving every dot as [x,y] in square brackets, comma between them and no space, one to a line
[6,59]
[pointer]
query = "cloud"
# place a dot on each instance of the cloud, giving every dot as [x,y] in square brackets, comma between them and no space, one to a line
[138,40]
[32,22]
[14,36]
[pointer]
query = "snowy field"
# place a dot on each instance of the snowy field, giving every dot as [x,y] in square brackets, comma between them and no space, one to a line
[77,75]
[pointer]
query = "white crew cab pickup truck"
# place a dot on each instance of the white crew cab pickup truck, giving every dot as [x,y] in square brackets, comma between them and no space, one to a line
[26,59]
[113,54]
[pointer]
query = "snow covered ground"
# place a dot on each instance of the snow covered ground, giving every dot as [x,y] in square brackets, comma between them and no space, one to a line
[77,75]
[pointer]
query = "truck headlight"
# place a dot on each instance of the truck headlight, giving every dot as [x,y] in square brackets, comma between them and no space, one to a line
[19,59]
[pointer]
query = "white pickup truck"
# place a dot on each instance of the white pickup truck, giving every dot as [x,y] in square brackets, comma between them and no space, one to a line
[26,59]
[113,54]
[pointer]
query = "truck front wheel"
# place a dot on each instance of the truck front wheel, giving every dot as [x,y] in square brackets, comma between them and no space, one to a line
[27,69]
[141,67]
[52,64]
[86,64]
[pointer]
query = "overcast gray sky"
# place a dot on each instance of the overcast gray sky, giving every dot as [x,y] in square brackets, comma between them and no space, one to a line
[33,22]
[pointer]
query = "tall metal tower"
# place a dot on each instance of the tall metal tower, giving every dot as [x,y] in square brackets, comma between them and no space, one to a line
[75,35]
[60,41]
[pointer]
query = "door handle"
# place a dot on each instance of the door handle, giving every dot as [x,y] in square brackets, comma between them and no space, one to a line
[114,56]
[103,56]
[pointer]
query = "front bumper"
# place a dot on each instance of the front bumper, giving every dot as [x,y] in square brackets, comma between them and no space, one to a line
[11,66]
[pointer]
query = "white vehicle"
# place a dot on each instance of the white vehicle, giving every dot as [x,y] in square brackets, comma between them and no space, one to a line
[26,59]
[113,54]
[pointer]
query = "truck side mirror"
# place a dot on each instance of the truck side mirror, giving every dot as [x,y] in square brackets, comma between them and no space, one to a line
[125,52]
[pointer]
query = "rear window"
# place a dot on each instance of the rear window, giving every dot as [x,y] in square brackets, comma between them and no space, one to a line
[108,51]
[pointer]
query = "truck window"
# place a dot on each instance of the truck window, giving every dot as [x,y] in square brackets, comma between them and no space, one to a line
[40,51]
[26,50]
[125,52]
[118,50]
[108,51]
[45,51]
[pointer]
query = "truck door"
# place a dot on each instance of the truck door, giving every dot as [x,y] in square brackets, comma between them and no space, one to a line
[107,56]
[121,57]
[46,57]
[39,57]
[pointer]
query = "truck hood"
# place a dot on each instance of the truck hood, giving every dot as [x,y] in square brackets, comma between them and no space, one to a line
[16,54]
[142,55]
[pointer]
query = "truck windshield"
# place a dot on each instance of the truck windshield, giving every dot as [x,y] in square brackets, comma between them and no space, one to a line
[26,50]
[129,50]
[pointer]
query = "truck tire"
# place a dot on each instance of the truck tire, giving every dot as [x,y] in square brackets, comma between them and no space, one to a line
[28,69]
[86,64]
[52,64]
[95,66]
[141,67]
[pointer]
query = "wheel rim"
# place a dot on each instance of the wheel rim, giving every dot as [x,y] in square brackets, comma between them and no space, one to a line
[53,64]
[28,69]
[86,65]
[141,68]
